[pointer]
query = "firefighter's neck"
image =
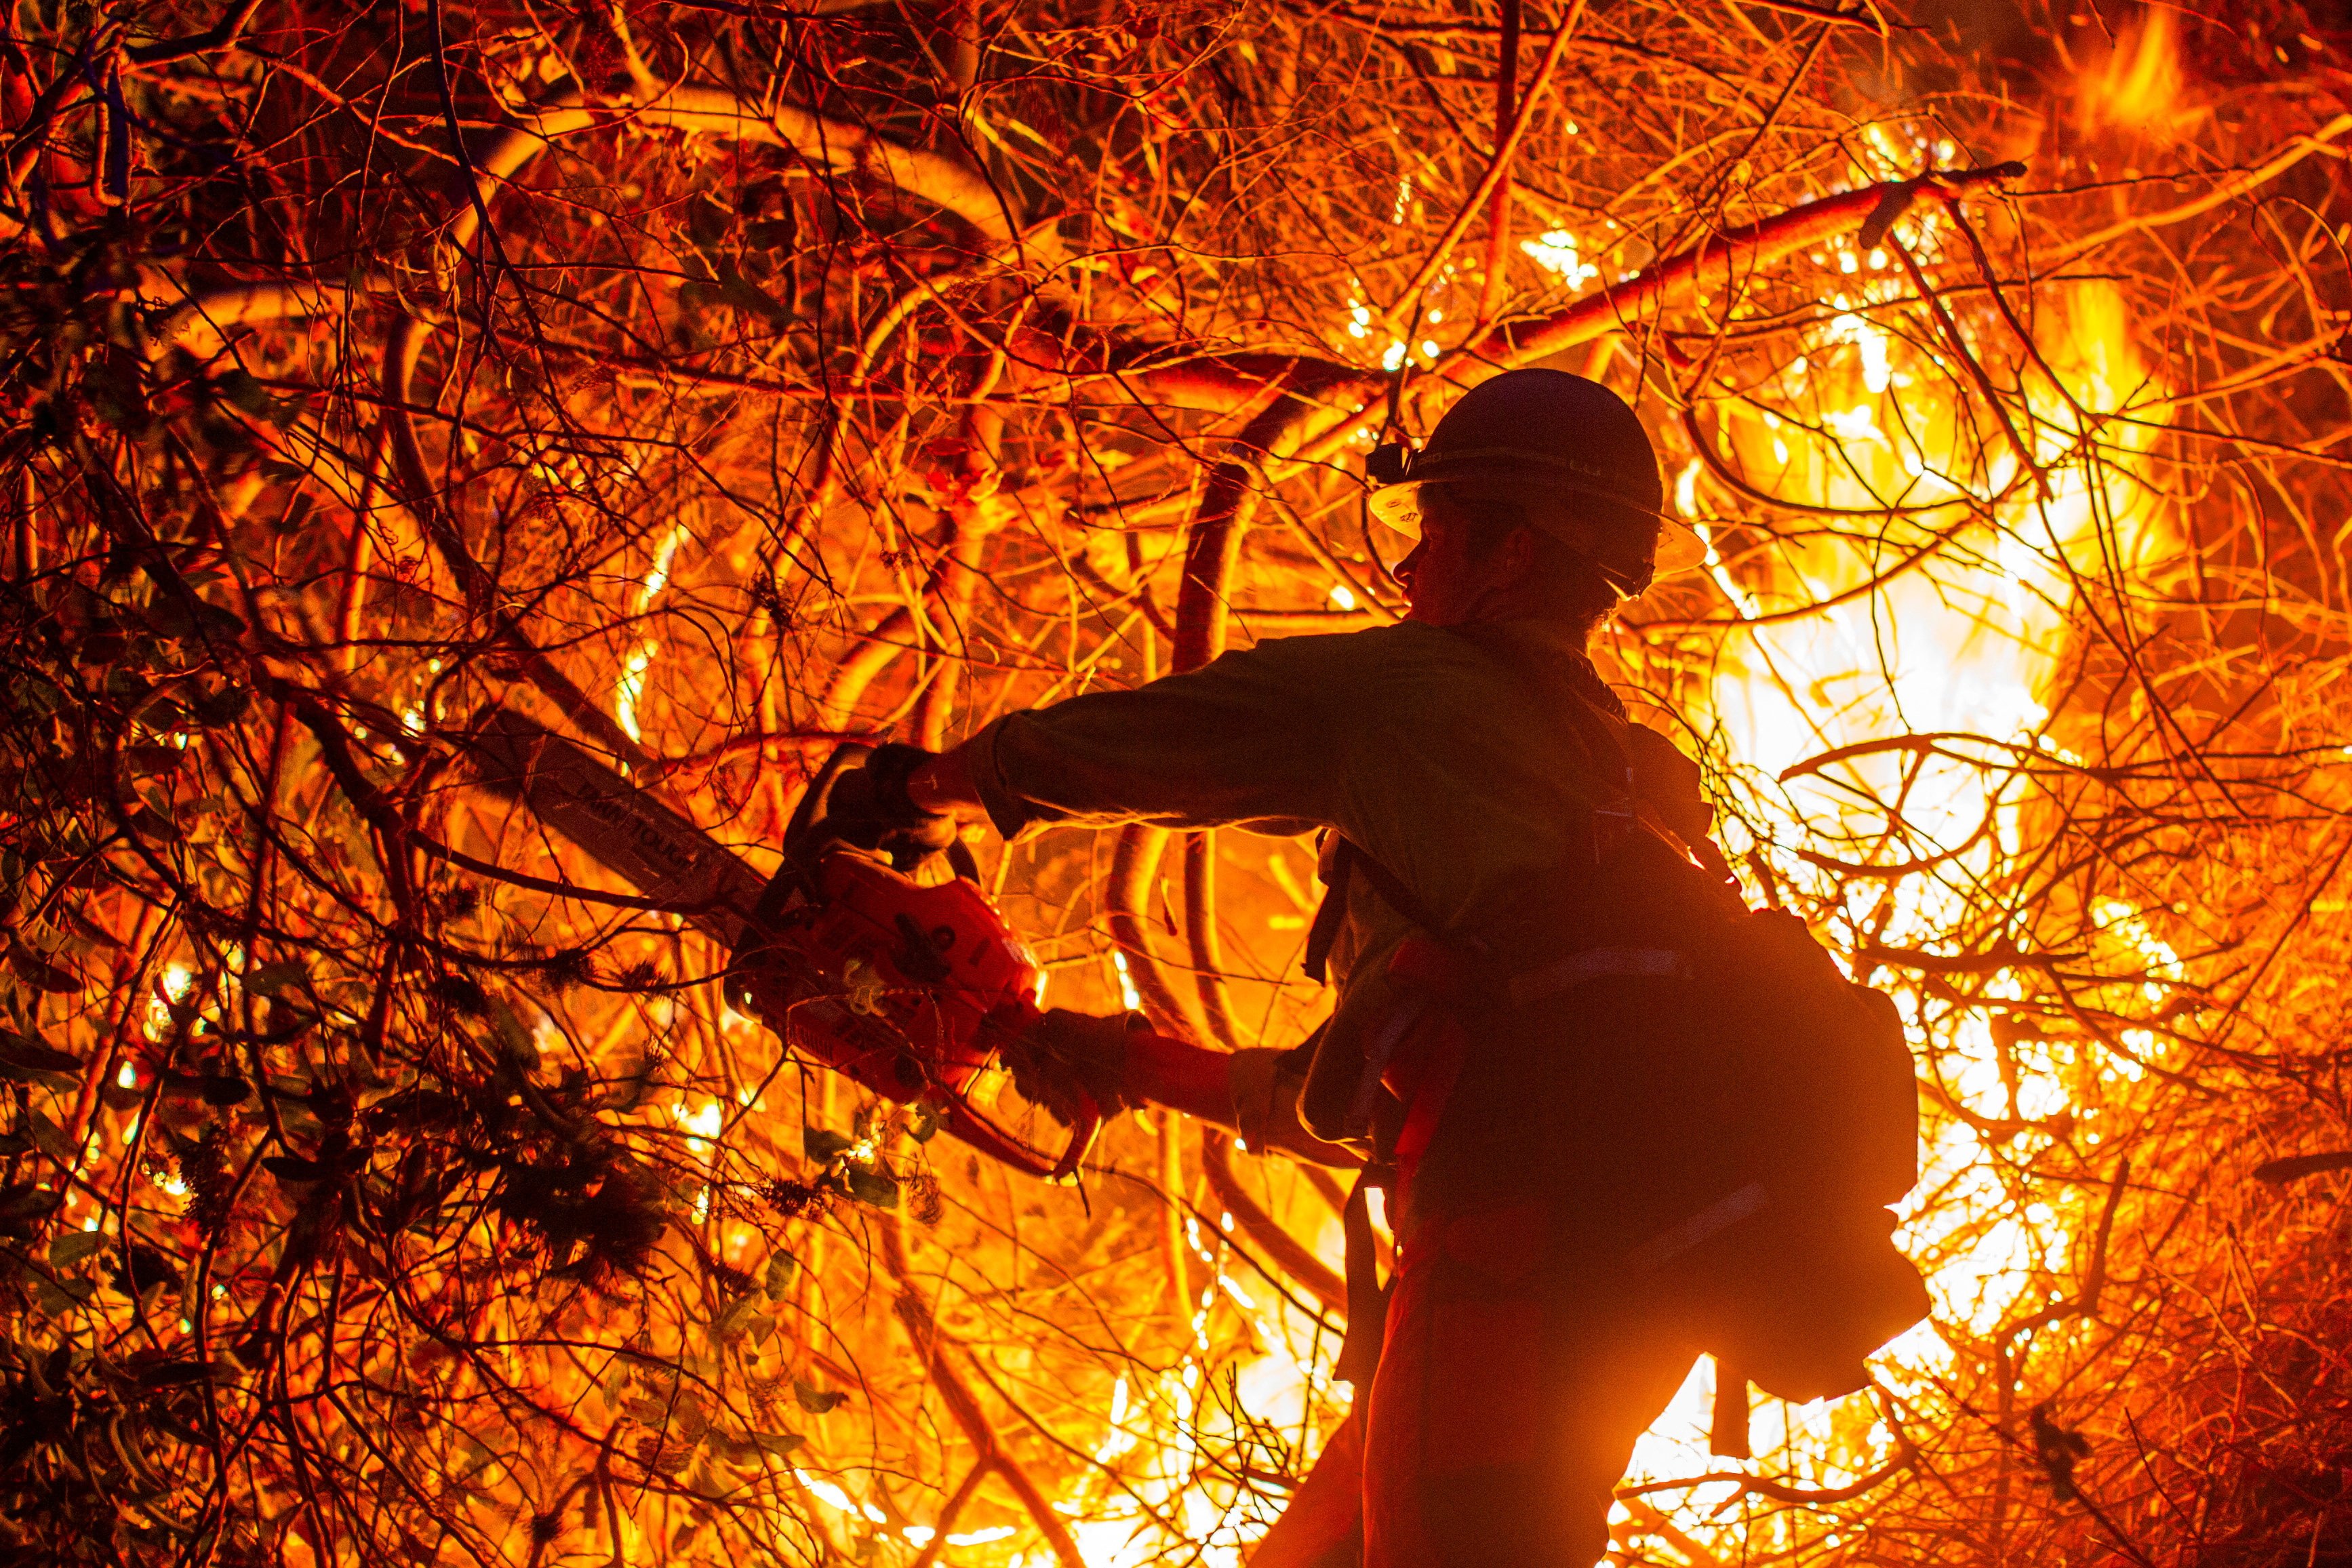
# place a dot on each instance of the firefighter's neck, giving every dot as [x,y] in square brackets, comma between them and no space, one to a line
[1449,586]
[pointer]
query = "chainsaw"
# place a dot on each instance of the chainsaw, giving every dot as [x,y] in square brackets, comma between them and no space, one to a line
[911,990]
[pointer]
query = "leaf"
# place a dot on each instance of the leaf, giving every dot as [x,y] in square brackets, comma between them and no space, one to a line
[782,1267]
[822,1145]
[245,393]
[2294,1167]
[706,224]
[164,712]
[1892,204]
[101,647]
[137,1272]
[53,1080]
[778,1443]
[749,297]
[730,1323]
[25,1201]
[872,1187]
[271,978]
[172,1374]
[22,1052]
[74,1246]
[36,971]
[521,1047]
[293,1168]
[734,1448]
[117,399]
[924,1124]
[224,706]
[2059,1450]
[63,1297]
[815,1400]
[223,1090]
[50,1137]
[167,616]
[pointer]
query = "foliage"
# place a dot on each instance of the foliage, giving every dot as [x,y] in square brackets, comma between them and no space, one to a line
[720,382]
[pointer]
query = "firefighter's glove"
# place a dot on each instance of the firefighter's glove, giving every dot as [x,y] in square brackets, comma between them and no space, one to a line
[869,807]
[1067,1051]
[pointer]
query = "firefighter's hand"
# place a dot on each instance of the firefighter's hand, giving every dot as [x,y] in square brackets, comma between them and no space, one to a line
[869,807]
[1065,1052]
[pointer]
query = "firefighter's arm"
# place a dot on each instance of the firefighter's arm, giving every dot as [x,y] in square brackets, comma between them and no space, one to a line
[1260,737]
[1254,1092]
[1262,1087]
[944,786]
[1122,1061]
[1669,788]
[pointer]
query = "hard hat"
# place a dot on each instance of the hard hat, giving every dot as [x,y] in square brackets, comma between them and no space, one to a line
[1568,450]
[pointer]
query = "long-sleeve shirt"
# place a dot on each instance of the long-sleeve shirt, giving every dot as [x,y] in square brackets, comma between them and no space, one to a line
[1461,759]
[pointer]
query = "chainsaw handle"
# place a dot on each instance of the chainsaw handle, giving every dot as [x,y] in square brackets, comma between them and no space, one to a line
[800,855]
[973,1126]
[806,840]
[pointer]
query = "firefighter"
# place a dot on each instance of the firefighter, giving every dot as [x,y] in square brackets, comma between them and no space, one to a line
[1449,760]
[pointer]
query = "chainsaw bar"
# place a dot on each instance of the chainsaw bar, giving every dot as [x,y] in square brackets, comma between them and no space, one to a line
[678,867]
[625,829]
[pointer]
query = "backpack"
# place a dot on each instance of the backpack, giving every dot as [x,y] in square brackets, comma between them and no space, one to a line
[1693,1087]
[1737,1135]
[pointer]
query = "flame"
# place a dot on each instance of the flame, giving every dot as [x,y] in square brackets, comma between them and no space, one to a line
[2140,86]
[629,690]
[1964,645]
[1555,252]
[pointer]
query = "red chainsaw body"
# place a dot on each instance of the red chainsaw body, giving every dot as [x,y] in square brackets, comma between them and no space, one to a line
[909,978]
[909,990]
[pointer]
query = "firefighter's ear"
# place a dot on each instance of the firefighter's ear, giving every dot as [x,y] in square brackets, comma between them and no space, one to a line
[1521,547]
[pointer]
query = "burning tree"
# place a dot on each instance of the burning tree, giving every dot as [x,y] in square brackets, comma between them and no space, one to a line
[724,381]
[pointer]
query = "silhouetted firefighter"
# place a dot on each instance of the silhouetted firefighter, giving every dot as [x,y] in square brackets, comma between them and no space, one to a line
[1624,1120]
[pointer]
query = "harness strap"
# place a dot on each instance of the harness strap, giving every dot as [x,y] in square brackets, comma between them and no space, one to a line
[1325,929]
[1694,1229]
[1345,860]
[1430,1095]
[1368,1298]
[1392,887]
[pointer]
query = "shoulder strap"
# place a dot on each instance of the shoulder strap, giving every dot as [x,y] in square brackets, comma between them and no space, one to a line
[1392,887]
[1347,859]
[1590,707]
[1325,928]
